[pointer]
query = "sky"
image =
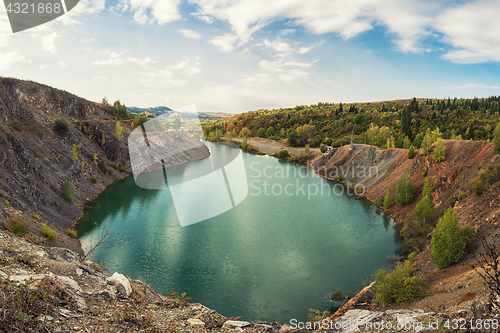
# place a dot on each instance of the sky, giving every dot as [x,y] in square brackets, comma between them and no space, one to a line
[241,55]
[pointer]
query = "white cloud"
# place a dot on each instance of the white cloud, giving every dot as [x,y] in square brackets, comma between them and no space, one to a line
[224,43]
[472,29]
[278,70]
[170,75]
[62,65]
[280,47]
[7,60]
[189,66]
[87,40]
[48,41]
[284,32]
[189,33]
[116,59]
[151,11]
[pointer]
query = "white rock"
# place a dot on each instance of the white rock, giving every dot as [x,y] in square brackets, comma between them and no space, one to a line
[69,282]
[235,324]
[79,271]
[121,283]
[195,322]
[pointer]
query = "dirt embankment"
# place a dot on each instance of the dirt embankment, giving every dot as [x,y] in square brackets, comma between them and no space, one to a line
[379,170]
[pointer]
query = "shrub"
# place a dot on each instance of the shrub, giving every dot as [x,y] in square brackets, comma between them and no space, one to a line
[34,88]
[61,125]
[71,232]
[6,203]
[261,132]
[424,173]
[17,225]
[68,194]
[458,197]
[398,286]
[283,153]
[447,240]
[477,186]
[496,138]
[47,232]
[74,152]
[93,179]
[35,216]
[378,201]
[119,131]
[323,149]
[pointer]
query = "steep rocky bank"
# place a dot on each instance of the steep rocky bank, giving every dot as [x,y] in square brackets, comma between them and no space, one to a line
[35,159]
[379,170]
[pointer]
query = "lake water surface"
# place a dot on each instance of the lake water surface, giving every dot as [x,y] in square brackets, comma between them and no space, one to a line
[269,258]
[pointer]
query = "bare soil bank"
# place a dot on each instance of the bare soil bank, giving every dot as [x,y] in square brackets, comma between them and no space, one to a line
[379,170]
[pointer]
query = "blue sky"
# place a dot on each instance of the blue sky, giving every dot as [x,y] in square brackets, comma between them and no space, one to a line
[235,56]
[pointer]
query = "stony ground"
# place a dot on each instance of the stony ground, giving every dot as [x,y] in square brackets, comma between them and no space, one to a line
[48,289]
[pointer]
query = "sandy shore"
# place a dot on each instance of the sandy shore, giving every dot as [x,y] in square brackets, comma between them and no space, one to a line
[269,146]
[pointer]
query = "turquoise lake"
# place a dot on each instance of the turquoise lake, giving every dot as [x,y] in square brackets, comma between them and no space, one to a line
[271,257]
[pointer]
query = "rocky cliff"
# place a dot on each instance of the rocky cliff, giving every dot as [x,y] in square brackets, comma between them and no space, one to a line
[35,159]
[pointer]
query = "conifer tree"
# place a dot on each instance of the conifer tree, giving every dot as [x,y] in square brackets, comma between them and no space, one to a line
[387,199]
[405,190]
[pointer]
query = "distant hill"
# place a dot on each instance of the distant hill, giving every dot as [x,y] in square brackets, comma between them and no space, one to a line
[160,110]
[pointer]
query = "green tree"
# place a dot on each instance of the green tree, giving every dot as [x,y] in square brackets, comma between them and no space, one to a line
[418,140]
[406,143]
[411,153]
[119,131]
[387,199]
[423,212]
[270,132]
[245,132]
[405,190]
[282,133]
[496,138]
[68,194]
[447,240]
[177,124]
[261,132]
[426,191]
[439,150]
[426,143]
[138,120]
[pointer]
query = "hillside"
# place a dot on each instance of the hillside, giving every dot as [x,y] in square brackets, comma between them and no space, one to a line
[35,158]
[386,124]
[464,161]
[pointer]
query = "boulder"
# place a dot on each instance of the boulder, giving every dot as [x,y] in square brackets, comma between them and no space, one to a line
[121,283]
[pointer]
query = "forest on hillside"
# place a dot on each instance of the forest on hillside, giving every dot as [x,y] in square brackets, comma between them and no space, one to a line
[388,124]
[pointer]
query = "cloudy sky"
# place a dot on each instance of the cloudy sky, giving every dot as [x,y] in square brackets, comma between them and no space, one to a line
[240,55]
